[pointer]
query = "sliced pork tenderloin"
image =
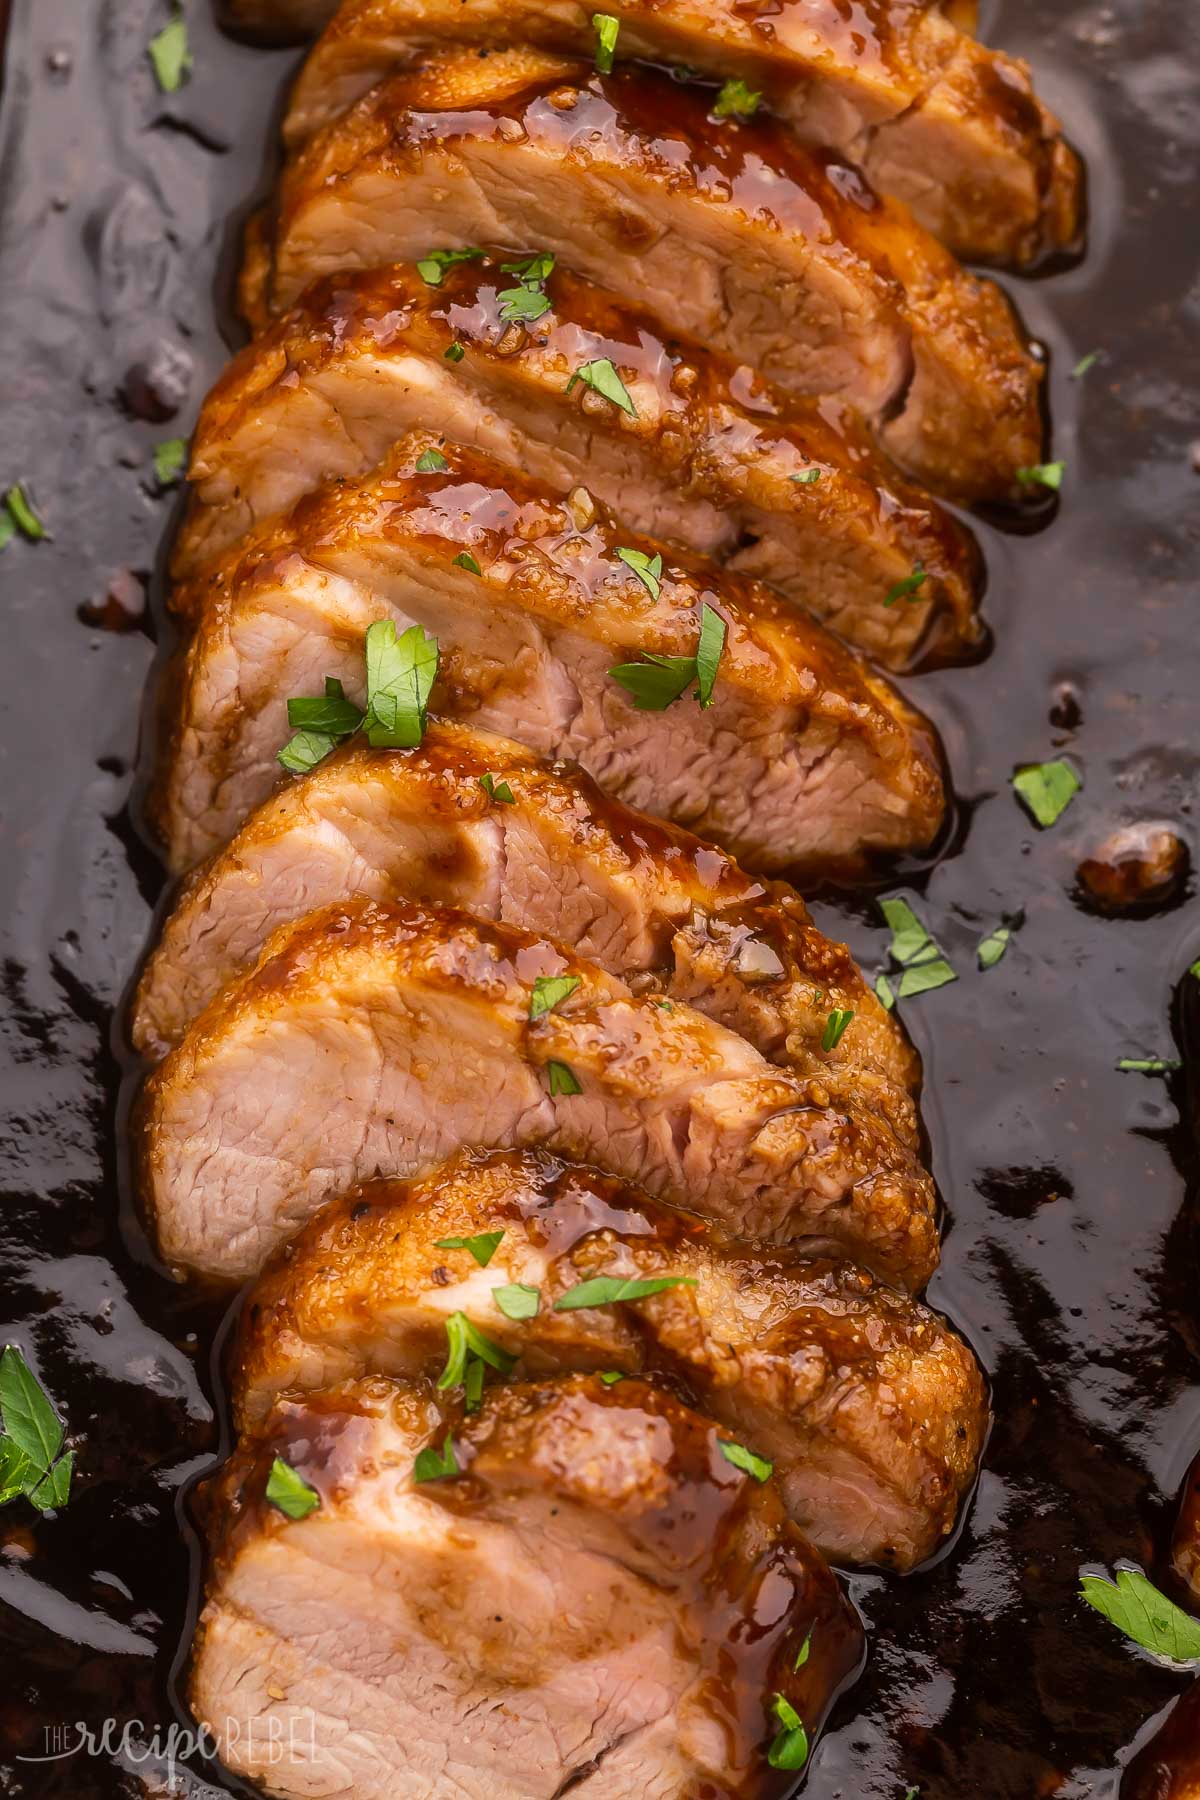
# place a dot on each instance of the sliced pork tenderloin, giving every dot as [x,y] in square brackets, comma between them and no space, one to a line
[376,1040]
[474,821]
[805,756]
[594,1598]
[935,119]
[871,1411]
[789,491]
[780,257]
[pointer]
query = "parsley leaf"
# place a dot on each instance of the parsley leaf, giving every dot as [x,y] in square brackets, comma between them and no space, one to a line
[169,459]
[648,569]
[1047,789]
[432,268]
[400,674]
[1084,364]
[517,1300]
[908,587]
[305,750]
[1146,1065]
[170,55]
[522,305]
[745,1460]
[1047,475]
[454,354]
[611,1290]
[497,790]
[835,1027]
[550,991]
[924,967]
[534,270]
[22,514]
[464,560]
[802,1653]
[789,1749]
[610,1377]
[736,101]
[33,1437]
[1134,1605]
[332,714]
[431,462]
[483,1245]
[434,1465]
[290,1492]
[607,30]
[601,376]
[990,949]
[562,1079]
[466,1340]
[656,682]
[806,477]
[884,993]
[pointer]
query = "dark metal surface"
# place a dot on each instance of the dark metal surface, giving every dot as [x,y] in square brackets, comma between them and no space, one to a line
[1071,1255]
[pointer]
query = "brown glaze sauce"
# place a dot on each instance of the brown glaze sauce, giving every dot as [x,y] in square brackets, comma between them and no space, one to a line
[1070,1261]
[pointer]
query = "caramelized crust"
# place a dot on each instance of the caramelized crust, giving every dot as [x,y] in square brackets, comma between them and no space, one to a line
[936,120]
[597,1599]
[379,1039]
[805,755]
[871,1411]
[780,256]
[784,489]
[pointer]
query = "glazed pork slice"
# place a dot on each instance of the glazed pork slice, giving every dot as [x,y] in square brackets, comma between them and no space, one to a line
[933,118]
[473,821]
[871,1411]
[375,1040]
[594,1599]
[788,491]
[780,257]
[804,756]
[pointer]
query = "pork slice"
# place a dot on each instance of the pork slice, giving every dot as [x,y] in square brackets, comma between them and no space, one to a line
[871,1411]
[805,755]
[372,1039]
[781,257]
[548,851]
[595,1600]
[787,490]
[938,121]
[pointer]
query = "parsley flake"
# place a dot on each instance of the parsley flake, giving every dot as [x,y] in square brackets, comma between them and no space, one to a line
[607,30]
[736,100]
[432,268]
[464,560]
[483,1245]
[601,376]
[1084,364]
[789,1749]
[923,964]
[648,569]
[1047,475]
[550,991]
[1147,1065]
[22,514]
[431,462]
[908,587]
[497,790]
[835,1027]
[990,949]
[454,354]
[517,1300]
[400,675]
[806,477]
[745,1460]
[290,1492]
[1047,789]
[612,1290]
[169,460]
[465,1340]
[33,1434]
[656,682]
[562,1079]
[522,305]
[1135,1606]
[170,55]
[435,1465]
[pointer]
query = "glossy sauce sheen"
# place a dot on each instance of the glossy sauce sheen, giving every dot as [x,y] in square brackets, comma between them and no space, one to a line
[1071,1258]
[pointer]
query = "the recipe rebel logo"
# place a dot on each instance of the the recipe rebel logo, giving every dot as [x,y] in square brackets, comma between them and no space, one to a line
[262,1742]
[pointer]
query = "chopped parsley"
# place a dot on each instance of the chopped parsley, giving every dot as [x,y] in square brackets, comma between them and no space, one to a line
[464,1341]
[169,460]
[648,569]
[170,55]
[435,1465]
[884,993]
[908,587]
[33,1434]
[1047,789]
[1084,364]
[601,376]
[736,101]
[806,477]
[522,305]
[517,1300]
[610,1377]
[562,1079]
[464,560]
[923,964]
[802,1654]
[607,31]
[550,991]
[612,1290]
[990,949]
[483,1245]
[432,268]
[1047,475]
[497,790]
[22,514]
[745,1460]
[656,682]
[789,1748]
[534,270]
[1147,1065]
[454,354]
[400,675]
[1134,1605]
[290,1492]
[835,1027]
[431,462]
